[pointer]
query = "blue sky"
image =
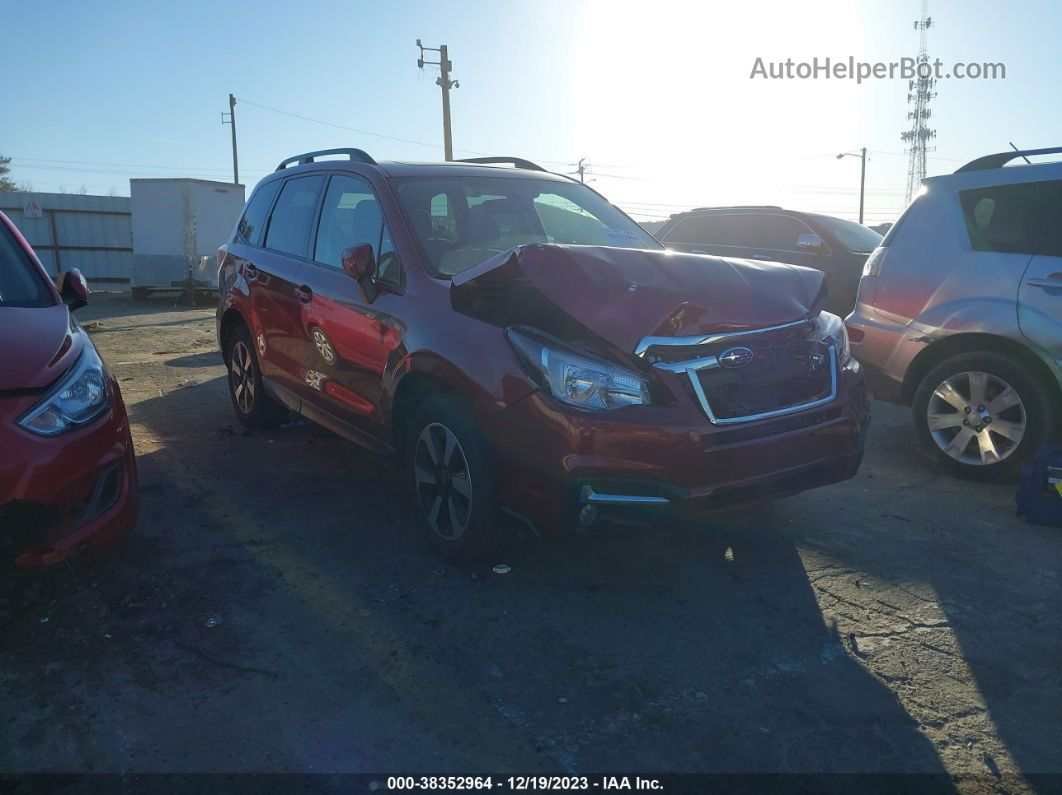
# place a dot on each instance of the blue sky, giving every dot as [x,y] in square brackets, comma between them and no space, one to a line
[656,95]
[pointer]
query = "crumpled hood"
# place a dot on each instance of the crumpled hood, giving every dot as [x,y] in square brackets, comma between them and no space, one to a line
[37,345]
[622,295]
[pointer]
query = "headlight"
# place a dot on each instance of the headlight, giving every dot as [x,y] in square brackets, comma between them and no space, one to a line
[579,380]
[830,329]
[80,397]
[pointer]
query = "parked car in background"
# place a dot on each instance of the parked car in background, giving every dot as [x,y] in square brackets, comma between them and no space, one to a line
[67,471]
[834,246]
[524,346]
[960,312]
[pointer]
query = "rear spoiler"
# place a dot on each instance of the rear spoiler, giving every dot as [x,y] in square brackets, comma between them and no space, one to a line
[1002,158]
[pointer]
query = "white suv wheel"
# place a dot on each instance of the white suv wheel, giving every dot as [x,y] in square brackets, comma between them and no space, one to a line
[976,418]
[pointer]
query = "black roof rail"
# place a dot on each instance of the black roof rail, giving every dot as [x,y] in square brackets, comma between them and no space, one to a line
[518,162]
[1002,158]
[309,157]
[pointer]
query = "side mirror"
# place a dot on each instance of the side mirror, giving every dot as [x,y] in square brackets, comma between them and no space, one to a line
[73,289]
[360,265]
[359,262]
[811,243]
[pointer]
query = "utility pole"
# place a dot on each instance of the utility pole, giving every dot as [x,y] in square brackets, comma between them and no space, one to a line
[582,169]
[862,175]
[231,120]
[862,181]
[445,83]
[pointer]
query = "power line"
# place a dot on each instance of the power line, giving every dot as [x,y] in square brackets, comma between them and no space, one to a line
[619,176]
[124,165]
[121,172]
[928,157]
[396,138]
[345,127]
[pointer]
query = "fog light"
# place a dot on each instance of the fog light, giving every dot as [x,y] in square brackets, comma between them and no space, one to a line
[588,515]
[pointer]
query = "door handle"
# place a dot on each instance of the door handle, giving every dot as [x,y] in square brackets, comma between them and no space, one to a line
[1047,284]
[250,272]
[304,293]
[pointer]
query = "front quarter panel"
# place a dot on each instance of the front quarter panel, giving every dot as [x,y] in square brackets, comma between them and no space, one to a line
[474,359]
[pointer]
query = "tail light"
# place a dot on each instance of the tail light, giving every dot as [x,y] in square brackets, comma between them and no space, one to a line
[872,267]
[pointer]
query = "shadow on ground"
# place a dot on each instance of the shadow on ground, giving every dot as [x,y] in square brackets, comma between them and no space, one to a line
[344,645]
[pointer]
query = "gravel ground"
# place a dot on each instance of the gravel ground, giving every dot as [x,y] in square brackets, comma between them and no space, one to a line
[276,611]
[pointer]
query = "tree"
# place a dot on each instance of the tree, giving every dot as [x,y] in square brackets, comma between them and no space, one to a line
[6,185]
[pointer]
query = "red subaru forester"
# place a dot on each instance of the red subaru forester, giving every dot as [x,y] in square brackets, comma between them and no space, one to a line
[526,347]
[67,472]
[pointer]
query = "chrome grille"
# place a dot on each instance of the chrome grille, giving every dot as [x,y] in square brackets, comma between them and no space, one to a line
[789,371]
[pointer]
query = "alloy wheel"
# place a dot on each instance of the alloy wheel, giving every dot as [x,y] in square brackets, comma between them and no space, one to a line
[324,346]
[443,481]
[976,418]
[241,376]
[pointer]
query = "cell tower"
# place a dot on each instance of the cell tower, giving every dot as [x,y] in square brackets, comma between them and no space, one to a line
[920,92]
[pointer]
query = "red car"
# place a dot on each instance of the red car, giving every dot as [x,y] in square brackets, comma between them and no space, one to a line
[526,347]
[67,472]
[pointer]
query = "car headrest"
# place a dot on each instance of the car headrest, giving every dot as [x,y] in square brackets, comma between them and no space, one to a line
[482,227]
[421,221]
[366,223]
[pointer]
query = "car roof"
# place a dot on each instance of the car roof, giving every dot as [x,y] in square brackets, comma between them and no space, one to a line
[991,170]
[1002,175]
[726,208]
[769,209]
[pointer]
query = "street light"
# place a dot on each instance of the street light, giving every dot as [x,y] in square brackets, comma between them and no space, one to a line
[862,175]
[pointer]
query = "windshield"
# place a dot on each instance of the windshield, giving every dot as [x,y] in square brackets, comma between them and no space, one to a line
[20,281]
[854,237]
[461,221]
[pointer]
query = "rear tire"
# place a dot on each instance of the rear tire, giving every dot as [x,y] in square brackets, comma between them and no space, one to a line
[981,414]
[254,407]
[448,470]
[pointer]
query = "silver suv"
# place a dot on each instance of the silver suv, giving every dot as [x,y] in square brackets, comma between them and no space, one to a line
[959,312]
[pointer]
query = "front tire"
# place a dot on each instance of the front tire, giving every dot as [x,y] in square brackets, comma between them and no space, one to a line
[253,406]
[447,466]
[981,414]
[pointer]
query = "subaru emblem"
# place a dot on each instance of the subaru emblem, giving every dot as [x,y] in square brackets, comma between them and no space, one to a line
[736,357]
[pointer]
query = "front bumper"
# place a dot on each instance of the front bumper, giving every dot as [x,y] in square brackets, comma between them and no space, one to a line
[63,494]
[552,461]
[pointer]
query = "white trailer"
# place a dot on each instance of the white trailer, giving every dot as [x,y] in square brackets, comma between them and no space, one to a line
[178,225]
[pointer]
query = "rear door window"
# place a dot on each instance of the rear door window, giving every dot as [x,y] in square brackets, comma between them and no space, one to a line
[730,229]
[778,232]
[252,225]
[292,218]
[443,221]
[1014,219]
